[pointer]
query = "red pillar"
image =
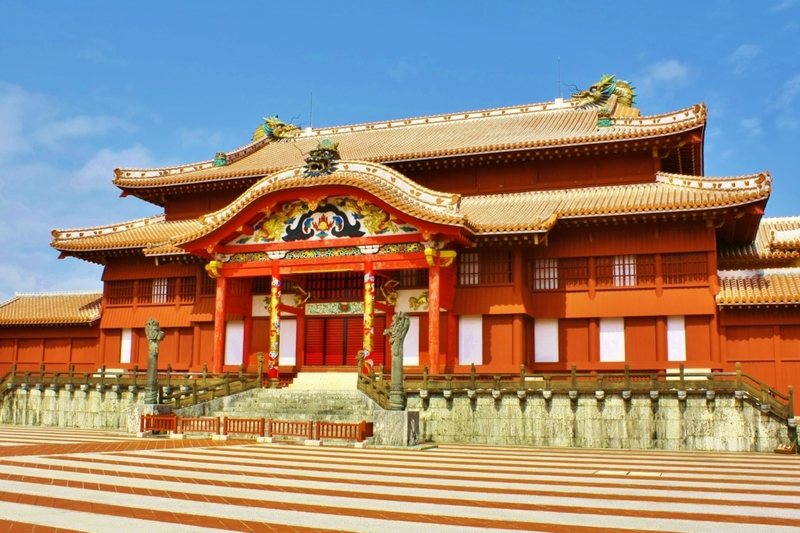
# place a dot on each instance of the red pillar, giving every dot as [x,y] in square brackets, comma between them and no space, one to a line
[517,340]
[247,342]
[662,345]
[219,326]
[452,340]
[433,317]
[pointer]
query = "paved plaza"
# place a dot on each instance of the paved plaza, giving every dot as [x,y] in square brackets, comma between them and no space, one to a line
[55,479]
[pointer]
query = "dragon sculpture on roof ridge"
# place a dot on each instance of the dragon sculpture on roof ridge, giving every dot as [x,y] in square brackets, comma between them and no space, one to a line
[599,93]
[276,130]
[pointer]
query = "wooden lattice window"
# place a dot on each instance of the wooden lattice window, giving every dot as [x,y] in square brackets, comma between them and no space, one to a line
[261,285]
[624,271]
[487,267]
[468,273]
[413,278]
[208,286]
[685,268]
[119,292]
[336,285]
[573,272]
[188,289]
[604,271]
[545,273]
[645,270]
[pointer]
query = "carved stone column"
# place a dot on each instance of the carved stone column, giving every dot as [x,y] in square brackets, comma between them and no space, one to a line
[154,337]
[397,336]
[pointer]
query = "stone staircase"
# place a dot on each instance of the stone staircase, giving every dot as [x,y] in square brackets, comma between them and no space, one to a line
[328,397]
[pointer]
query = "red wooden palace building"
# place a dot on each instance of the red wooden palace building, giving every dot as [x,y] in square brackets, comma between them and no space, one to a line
[570,232]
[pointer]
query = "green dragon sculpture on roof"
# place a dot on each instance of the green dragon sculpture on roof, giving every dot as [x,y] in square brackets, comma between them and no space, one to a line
[276,130]
[599,94]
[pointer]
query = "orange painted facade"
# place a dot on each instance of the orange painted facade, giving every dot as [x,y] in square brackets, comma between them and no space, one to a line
[595,249]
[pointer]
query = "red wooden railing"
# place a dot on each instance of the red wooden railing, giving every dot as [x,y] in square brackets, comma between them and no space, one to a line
[244,426]
[337,430]
[199,425]
[158,423]
[287,428]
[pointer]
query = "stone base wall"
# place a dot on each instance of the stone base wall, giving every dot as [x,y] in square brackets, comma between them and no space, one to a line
[722,424]
[74,409]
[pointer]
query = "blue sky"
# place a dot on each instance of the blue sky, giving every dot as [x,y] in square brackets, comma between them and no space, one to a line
[89,86]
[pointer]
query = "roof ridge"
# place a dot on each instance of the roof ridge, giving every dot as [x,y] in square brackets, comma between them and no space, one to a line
[760,181]
[58,293]
[565,106]
[108,228]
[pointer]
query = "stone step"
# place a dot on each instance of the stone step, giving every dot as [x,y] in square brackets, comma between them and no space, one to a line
[335,405]
[327,381]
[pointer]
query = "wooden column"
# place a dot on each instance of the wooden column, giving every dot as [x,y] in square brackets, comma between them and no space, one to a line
[659,267]
[274,320]
[661,339]
[195,346]
[247,342]
[452,340]
[592,281]
[780,379]
[369,316]
[219,326]
[715,348]
[300,341]
[594,340]
[517,340]
[433,316]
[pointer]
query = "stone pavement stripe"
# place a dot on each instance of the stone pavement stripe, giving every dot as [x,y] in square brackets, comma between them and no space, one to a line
[354,466]
[592,505]
[180,508]
[54,517]
[151,466]
[120,446]
[285,491]
[9,526]
[484,464]
[326,486]
[376,476]
[623,452]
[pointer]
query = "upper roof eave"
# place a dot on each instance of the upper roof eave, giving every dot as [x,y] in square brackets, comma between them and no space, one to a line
[526,128]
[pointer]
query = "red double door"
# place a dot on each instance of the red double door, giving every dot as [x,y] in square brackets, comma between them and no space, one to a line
[335,341]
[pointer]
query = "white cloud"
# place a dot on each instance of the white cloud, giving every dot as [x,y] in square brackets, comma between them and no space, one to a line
[740,58]
[668,73]
[782,104]
[29,120]
[98,171]
[783,4]
[752,127]
[402,71]
[199,137]
[56,132]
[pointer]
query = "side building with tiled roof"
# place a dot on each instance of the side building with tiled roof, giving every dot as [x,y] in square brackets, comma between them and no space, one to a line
[576,232]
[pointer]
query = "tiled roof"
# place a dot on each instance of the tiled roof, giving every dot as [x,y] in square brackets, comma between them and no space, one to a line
[381,181]
[493,130]
[538,210]
[54,308]
[777,240]
[778,286]
[530,212]
[125,235]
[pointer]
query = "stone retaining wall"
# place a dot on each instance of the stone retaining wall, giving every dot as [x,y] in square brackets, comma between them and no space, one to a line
[77,408]
[723,424]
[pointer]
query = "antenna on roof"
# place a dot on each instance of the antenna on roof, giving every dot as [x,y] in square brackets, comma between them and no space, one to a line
[559,76]
[311,111]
